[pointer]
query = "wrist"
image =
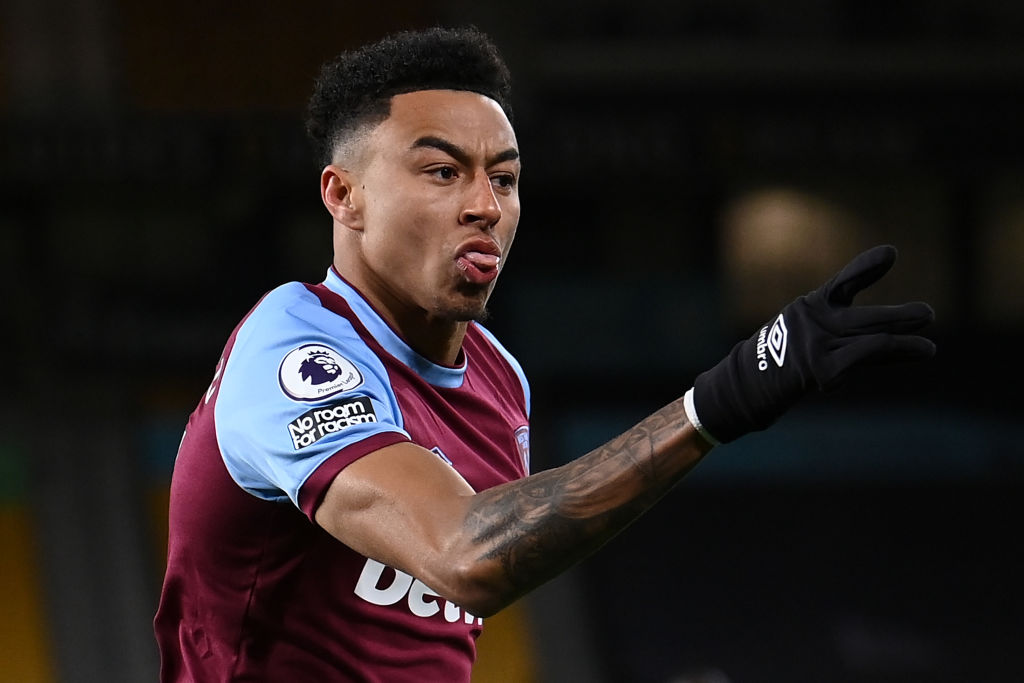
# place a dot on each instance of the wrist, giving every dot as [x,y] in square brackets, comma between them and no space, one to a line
[694,419]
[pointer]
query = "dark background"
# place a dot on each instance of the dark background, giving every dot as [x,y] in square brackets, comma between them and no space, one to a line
[688,168]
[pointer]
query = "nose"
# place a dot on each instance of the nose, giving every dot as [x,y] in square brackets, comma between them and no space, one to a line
[482,208]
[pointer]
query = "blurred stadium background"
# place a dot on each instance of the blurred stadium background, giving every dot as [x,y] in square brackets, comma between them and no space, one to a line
[689,167]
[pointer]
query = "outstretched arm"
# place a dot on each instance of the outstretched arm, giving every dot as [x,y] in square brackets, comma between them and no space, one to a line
[403,506]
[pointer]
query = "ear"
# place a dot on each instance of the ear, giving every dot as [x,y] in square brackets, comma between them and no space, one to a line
[339,192]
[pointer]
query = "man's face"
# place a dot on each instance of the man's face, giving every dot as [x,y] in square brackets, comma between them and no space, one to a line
[439,192]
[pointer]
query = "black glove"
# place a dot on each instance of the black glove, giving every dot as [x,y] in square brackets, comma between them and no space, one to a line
[814,342]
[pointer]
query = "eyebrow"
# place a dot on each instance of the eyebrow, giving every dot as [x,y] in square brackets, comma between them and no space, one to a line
[459,154]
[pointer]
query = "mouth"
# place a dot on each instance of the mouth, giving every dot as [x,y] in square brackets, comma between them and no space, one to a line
[479,261]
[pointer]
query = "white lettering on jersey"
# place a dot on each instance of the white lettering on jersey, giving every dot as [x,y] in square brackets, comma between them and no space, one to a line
[317,423]
[366,587]
[421,601]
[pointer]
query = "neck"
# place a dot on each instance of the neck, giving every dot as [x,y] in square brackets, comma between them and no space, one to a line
[437,339]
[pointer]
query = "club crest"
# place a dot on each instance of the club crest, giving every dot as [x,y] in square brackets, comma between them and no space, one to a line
[523,445]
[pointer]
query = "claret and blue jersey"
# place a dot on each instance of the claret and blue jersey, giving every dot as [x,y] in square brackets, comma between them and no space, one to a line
[311,380]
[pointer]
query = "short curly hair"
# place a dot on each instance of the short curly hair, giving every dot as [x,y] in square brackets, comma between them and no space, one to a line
[356,87]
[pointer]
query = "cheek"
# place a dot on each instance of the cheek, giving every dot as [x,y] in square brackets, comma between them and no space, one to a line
[507,242]
[507,226]
[405,240]
[391,223]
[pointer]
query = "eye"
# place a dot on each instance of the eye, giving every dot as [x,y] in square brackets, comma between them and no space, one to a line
[444,172]
[504,181]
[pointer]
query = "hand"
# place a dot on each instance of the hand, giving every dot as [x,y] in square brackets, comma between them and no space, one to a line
[813,343]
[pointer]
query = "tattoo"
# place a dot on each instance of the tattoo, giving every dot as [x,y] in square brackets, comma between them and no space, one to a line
[539,526]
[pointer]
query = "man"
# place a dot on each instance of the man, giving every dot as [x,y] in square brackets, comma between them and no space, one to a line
[351,496]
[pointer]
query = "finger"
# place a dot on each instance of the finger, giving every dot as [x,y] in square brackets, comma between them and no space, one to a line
[864,270]
[895,319]
[876,349]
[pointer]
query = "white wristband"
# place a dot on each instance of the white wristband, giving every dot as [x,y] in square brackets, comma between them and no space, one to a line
[691,415]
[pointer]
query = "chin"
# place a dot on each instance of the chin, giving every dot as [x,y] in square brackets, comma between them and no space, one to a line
[473,306]
[482,315]
[466,314]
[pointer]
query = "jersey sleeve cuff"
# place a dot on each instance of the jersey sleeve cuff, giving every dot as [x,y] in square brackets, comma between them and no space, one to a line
[315,487]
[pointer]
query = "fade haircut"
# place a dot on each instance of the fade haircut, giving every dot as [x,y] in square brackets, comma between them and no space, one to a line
[356,87]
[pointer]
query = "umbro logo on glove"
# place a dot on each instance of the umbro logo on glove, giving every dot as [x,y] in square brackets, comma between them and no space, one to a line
[774,342]
[812,344]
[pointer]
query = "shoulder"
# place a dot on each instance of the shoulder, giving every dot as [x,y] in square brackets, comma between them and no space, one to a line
[292,313]
[299,385]
[290,344]
[488,340]
[289,305]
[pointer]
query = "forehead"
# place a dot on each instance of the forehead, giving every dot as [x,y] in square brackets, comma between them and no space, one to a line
[468,119]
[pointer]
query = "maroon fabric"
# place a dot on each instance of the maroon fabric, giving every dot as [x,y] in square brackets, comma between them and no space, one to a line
[255,591]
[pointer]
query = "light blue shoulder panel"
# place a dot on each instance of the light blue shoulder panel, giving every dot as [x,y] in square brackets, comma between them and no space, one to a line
[299,385]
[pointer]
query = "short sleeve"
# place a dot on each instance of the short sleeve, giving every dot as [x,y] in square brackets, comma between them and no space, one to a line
[299,387]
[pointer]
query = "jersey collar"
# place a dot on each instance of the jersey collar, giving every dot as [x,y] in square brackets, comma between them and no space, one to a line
[438,375]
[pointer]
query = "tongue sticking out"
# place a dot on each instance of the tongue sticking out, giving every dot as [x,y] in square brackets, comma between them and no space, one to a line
[481,260]
[478,267]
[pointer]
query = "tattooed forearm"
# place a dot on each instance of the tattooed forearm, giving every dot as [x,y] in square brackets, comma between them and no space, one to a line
[539,526]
